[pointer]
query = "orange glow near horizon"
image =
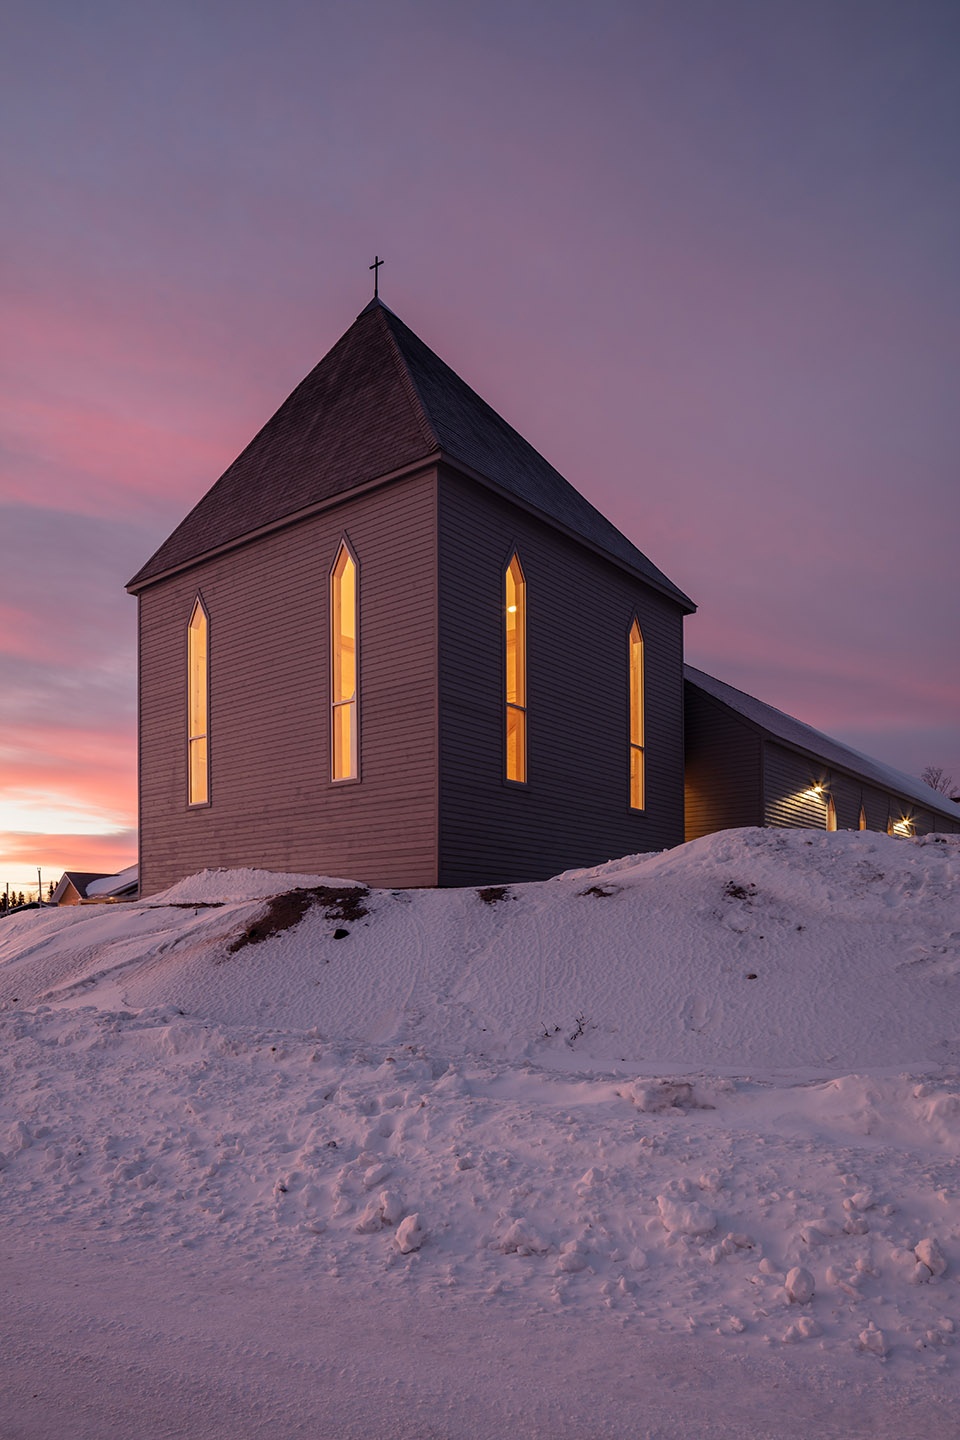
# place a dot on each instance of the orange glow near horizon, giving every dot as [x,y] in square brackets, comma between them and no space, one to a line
[68,801]
[21,855]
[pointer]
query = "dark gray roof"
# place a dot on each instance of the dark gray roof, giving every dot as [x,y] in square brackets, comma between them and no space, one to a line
[813,742]
[380,402]
[80,879]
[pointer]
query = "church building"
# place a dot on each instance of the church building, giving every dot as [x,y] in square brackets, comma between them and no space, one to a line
[393,644]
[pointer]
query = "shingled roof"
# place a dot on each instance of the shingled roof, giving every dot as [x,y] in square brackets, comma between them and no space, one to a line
[379,403]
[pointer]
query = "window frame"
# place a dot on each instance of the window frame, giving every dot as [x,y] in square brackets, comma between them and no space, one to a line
[516,709]
[194,739]
[636,717]
[353,701]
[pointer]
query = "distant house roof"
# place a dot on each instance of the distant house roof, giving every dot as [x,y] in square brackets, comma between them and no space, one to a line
[79,879]
[94,885]
[821,747]
[379,403]
[105,886]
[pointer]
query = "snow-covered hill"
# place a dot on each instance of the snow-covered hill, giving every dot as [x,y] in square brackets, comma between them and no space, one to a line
[711,1094]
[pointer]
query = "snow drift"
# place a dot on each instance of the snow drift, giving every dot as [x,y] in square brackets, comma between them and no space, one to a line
[715,1090]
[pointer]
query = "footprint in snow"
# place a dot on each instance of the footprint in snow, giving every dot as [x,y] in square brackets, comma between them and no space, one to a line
[697,1013]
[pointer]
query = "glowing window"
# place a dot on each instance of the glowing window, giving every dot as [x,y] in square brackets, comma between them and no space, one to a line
[198,682]
[637,777]
[831,813]
[516,671]
[343,655]
[863,818]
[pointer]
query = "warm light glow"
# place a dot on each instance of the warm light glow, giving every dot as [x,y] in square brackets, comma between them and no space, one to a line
[814,793]
[343,612]
[903,826]
[637,758]
[863,818]
[199,776]
[516,672]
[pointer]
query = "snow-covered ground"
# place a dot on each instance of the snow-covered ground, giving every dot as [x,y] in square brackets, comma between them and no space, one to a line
[663,1148]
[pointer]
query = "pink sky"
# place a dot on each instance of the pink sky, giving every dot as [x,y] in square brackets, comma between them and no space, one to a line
[704,257]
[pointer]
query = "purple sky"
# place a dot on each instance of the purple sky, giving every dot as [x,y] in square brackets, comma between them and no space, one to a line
[703,256]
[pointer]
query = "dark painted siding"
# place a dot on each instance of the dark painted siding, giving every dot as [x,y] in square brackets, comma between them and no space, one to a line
[787,774]
[574,810]
[846,792]
[876,807]
[722,789]
[273,804]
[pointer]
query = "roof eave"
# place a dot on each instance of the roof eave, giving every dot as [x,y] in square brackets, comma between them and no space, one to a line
[141,581]
[670,590]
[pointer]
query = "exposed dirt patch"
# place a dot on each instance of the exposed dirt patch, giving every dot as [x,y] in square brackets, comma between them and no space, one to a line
[187,905]
[602,891]
[491,894]
[739,892]
[283,912]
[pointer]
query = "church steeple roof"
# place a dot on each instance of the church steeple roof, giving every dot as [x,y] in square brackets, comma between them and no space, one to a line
[379,403]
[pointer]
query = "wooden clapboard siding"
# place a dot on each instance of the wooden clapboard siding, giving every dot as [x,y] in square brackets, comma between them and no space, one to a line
[846,791]
[574,808]
[789,773]
[876,807]
[722,788]
[272,802]
[787,776]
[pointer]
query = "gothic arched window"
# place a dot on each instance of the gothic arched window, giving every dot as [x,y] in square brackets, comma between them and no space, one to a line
[516,671]
[344,614]
[637,757]
[198,706]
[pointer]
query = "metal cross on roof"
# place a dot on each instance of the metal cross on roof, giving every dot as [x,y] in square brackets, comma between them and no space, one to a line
[375,267]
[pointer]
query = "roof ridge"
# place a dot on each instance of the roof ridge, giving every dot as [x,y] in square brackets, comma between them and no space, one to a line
[407,380]
[379,401]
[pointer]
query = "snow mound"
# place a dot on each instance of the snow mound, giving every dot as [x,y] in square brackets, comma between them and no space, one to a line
[714,1090]
[217,887]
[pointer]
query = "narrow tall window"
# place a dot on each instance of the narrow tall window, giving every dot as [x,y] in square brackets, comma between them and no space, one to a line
[831,813]
[343,617]
[516,671]
[863,818]
[637,777]
[198,768]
